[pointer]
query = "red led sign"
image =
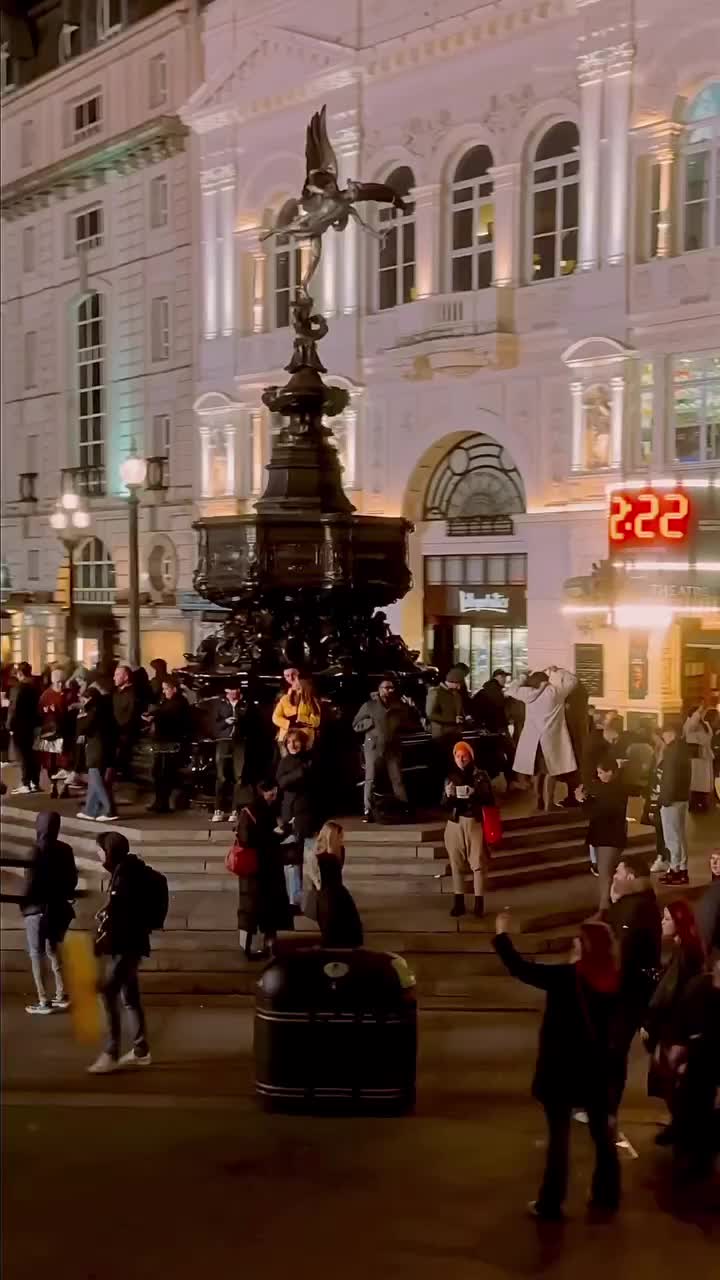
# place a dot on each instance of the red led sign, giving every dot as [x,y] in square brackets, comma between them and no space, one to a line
[649,518]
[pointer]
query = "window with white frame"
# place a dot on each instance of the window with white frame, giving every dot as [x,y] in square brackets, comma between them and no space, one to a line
[94,574]
[646,424]
[159,204]
[701,205]
[555,178]
[86,229]
[91,385]
[158,80]
[472,217]
[28,249]
[84,118]
[160,328]
[27,143]
[111,17]
[30,360]
[161,443]
[696,407]
[69,42]
[287,257]
[396,251]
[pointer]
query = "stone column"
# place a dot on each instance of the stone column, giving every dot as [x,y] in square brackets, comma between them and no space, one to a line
[663,153]
[229,432]
[590,72]
[428,212]
[617,401]
[617,122]
[578,451]
[347,148]
[209,259]
[227,256]
[205,484]
[258,290]
[506,192]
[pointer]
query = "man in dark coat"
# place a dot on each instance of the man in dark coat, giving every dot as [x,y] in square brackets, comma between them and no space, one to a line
[127,711]
[635,919]
[96,725]
[707,909]
[674,801]
[172,728]
[50,884]
[22,721]
[238,740]
[490,711]
[383,719]
[123,937]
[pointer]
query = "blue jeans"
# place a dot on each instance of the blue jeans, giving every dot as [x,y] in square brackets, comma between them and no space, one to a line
[293,881]
[97,803]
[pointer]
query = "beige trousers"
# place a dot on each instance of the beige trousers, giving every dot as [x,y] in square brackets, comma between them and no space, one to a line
[466,847]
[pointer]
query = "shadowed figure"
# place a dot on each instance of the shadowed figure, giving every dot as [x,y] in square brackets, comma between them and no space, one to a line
[323,204]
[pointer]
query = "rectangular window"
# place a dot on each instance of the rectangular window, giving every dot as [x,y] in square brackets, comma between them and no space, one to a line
[158,75]
[433,570]
[454,569]
[161,435]
[27,143]
[86,230]
[159,201]
[655,210]
[91,390]
[30,360]
[84,118]
[160,328]
[696,408]
[28,249]
[33,563]
[111,17]
[647,411]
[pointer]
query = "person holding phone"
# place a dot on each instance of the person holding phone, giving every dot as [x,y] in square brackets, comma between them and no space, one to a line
[467,791]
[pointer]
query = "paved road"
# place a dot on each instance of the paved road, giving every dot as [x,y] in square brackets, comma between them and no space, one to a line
[174,1171]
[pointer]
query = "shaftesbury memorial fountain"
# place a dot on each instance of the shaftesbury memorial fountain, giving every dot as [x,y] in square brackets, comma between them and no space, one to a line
[303,577]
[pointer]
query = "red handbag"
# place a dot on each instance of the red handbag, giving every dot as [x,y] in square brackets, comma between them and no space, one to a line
[492,825]
[242,859]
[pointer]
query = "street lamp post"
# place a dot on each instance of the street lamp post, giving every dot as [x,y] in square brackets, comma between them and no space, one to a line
[69,521]
[132,474]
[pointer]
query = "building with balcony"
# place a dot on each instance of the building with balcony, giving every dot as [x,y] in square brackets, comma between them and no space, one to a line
[541,324]
[97,318]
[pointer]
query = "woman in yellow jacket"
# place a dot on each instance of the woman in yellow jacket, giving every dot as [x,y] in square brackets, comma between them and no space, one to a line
[299,708]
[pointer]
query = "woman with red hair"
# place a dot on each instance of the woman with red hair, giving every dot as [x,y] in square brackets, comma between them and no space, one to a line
[684,956]
[574,1058]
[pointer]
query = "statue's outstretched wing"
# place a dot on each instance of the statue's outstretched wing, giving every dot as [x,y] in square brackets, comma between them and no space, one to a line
[379,191]
[319,154]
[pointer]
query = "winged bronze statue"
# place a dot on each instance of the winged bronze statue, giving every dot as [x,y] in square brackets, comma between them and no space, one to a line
[323,204]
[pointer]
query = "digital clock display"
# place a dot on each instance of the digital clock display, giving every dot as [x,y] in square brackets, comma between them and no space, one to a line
[649,518]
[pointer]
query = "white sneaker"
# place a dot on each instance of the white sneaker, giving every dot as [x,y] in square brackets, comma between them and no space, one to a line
[234,816]
[61,1002]
[103,1065]
[581,1117]
[88,816]
[133,1059]
[61,776]
[21,791]
[43,1006]
[660,865]
[218,816]
[107,817]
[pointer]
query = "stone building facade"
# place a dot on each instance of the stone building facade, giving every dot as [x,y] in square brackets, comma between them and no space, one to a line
[540,326]
[97,319]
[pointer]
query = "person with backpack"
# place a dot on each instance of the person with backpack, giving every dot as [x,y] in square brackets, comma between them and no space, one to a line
[137,904]
[50,884]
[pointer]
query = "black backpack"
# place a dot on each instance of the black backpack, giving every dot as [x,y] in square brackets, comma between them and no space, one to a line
[157,898]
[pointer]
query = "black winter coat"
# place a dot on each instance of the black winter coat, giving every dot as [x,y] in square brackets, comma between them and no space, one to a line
[636,922]
[172,721]
[606,806]
[122,928]
[676,773]
[573,1063]
[481,793]
[299,803]
[126,710]
[596,748]
[51,878]
[263,904]
[23,714]
[489,707]
[662,1015]
[96,723]
[707,914]
[337,914]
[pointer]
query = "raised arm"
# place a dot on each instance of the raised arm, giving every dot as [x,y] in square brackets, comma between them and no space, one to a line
[542,976]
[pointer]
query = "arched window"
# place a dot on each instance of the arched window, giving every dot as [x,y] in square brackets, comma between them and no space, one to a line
[91,392]
[94,574]
[555,189]
[288,266]
[701,207]
[472,217]
[396,254]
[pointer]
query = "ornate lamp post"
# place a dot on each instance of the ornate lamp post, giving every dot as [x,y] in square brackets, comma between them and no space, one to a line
[70,520]
[132,473]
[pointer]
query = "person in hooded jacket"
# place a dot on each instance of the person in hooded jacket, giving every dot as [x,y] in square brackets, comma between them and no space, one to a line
[467,791]
[50,884]
[122,939]
[574,1058]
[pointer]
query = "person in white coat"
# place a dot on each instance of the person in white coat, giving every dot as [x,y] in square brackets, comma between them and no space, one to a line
[544,749]
[699,735]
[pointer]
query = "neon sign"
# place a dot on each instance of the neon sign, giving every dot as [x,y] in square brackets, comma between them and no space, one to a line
[649,518]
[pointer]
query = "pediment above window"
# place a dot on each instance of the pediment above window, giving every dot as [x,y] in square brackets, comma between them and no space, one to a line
[588,352]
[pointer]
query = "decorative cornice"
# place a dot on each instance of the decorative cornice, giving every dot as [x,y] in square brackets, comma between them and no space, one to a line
[147,144]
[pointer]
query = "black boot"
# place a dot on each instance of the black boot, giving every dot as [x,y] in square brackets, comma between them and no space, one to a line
[479,908]
[458,906]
